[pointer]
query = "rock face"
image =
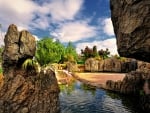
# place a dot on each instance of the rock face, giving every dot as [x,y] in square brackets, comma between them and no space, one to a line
[22,92]
[134,83]
[18,47]
[131,21]
[110,65]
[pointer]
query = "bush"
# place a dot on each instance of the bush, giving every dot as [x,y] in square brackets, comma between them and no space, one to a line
[1,70]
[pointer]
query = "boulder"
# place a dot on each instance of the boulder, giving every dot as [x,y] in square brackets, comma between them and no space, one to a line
[112,65]
[18,47]
[133,83]
[131,21]
[128,65]
[91,64]
[34,94]
[143,66]
[25,91]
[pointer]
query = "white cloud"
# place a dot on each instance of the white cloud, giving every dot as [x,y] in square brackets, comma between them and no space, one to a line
[2,35]
[20,12]
[75,31]
[61,10]
[108,27]
[108,43]
[41,23]
[24,12]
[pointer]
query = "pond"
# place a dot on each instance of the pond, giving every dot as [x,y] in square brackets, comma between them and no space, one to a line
[80,98]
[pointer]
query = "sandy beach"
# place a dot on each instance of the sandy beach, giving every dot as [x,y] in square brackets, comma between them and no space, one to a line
[99,79]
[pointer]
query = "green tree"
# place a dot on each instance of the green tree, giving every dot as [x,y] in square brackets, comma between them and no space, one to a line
[95,53]
[87,52]
[104,53]
[1,50]
[49,51]
[70,52]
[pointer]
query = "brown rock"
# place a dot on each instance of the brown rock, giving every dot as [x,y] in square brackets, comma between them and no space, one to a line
[91,65]
[18,47]
[131,21]
[110,65]
[25,91]
[27,44]
[143,66]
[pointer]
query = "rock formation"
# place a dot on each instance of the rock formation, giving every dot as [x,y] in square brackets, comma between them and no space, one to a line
[131,21]
[110,65]
[24,92]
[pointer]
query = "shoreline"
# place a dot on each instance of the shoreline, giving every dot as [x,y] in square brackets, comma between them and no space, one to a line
[98,80]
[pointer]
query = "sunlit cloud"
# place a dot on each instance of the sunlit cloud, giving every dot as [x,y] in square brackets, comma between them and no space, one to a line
[108,27]
[108,43]
[2,35]
[75,31]
[20,13]
[29,14]
[61,10]
[64,19]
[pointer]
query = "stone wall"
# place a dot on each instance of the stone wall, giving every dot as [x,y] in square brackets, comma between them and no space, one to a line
[110,65]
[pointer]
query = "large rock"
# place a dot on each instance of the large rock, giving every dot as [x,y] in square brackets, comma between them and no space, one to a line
[34,94]
[25,91]
[134,83]
[131,21]
[110,65]
[91,65]
[18,47]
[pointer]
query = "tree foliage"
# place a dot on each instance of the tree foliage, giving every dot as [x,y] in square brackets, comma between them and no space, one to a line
[104,53]
[70,52]
[1,50]
[49,51]
[93,52]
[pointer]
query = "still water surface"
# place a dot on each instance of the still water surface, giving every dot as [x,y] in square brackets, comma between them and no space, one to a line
[80,98]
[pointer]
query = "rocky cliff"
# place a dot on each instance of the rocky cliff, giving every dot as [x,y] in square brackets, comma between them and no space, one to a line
[110,65]
[131,21]
[25,91]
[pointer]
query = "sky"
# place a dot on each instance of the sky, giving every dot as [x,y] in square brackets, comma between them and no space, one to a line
[83,22]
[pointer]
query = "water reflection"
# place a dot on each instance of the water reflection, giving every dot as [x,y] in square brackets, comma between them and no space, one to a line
[80,98]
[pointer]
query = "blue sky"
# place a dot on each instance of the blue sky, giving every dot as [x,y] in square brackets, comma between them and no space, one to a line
[83,22]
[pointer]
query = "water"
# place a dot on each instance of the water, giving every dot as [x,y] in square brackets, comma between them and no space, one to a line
[80,98]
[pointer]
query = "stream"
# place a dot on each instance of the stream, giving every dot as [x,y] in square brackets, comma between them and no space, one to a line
[80,98]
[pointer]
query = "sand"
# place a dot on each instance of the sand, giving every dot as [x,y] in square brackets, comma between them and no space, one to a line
[99,79]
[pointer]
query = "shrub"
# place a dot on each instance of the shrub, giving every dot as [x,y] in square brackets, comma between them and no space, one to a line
[1,70]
